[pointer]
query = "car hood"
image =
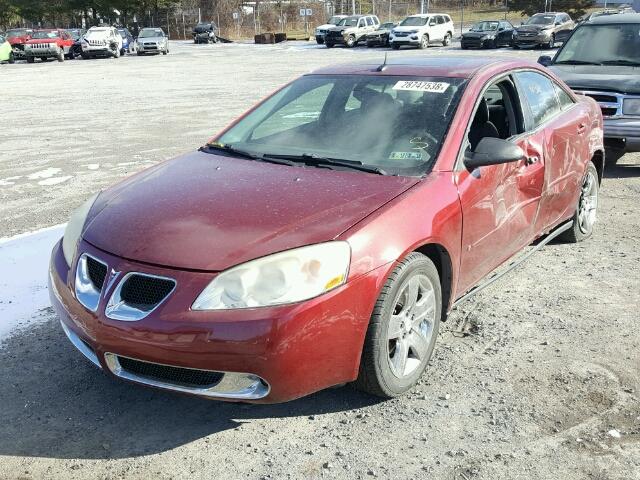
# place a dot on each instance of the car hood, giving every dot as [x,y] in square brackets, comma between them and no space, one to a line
[43,40]
[533,28]
[478,34]
[210,212]
[17,40]
[600,77]
[406,28]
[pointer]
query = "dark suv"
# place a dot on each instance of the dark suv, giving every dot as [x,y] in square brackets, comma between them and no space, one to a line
[543,30]
[601,60]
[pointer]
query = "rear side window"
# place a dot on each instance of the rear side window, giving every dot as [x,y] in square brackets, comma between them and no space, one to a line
[369,21]
[440,20]
[539,93]
[563,97]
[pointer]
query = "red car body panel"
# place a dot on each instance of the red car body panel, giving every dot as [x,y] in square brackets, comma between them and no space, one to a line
[63,41]
[192,217]
[21,40]
[269,208]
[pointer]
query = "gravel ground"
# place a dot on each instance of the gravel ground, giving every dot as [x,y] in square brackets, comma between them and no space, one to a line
[536,377]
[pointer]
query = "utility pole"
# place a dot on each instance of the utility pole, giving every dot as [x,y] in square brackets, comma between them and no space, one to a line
[421,6]
[353,7]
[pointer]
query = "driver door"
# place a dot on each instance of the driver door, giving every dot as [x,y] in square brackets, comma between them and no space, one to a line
[500,203]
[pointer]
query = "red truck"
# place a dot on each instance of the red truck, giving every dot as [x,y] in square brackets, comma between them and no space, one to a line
[46,44]
[17,37]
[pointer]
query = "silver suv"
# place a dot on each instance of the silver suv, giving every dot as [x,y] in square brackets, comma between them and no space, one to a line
[351,30]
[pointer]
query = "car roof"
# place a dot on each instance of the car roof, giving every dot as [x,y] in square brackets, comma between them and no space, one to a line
[454,66]
[615,18]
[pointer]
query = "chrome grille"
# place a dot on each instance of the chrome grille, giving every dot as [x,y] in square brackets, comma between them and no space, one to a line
[137,295]
[90,275]
[610,102]
[41,46]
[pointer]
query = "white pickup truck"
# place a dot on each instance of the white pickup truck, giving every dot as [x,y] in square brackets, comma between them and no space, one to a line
[101,42]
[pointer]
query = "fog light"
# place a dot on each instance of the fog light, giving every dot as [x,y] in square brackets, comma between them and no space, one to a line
[631,106]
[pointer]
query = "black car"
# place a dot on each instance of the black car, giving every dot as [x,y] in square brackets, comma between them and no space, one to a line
[601,59]
[76,48]
[543,30]
[488,34]
[380,38]
[205,32]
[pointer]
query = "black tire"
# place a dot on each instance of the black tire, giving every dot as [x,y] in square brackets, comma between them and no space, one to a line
[376,375]
[612,155]
[60,56]
[424,42]
[395,46]
[85,56]
[31,59]
[319,41]
[447,40]
[12,58]
[369,45]
[329,45]
[351,41]
[578,232]
[464,47]
[164,52]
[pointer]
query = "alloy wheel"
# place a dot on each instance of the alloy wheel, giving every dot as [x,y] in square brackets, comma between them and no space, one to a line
[588,204]
[411,325]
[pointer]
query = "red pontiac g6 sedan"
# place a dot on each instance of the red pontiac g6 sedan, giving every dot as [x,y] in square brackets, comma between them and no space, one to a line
[323,236]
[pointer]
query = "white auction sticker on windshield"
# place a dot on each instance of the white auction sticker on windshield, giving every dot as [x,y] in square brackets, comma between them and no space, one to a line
[405,156]
[419,86]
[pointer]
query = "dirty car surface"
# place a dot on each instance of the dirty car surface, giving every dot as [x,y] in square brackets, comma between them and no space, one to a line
[322,237]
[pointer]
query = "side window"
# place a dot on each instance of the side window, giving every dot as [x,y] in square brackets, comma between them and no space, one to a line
[302,110]
[376,21]
[440,20]
[369,21]
[563,97]
[447,18]
[361,23]
[432,21]
[538,92]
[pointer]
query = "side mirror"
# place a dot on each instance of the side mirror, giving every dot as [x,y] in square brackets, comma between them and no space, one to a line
[492,151]
[544,60]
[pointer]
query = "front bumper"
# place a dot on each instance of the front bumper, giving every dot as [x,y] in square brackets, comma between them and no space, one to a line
[627,129]
[378,40]
[288,351]
[476,42]
[94,50]
[150,48]
[531,42]
[41,52]
[412,40]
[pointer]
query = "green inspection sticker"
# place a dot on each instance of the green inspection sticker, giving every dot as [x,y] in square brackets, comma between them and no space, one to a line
[405,156]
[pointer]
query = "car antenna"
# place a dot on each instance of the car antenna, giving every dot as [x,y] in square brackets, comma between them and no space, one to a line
[384,64]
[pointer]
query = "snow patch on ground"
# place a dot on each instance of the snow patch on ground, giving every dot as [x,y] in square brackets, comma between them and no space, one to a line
[24,260]
[93,166]
[46,173]
[54,180]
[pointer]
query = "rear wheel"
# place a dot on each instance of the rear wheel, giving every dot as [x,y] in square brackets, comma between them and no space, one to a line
[319,41]
[552,42]
[424,42]
[447,40]
[31,59]
[585,216]
[403,329]
[329,45]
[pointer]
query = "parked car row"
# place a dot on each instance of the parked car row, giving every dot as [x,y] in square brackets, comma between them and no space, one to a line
[544,30]
[61,44]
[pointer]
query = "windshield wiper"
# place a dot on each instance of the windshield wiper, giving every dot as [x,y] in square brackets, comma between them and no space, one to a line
[226,148]
[575,62]
[318,161]
[630,63]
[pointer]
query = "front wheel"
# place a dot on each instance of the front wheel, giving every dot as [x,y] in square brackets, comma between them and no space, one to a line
[329,45]
[60,55]
[552,42]
[424,42]
[403,329]
[447,40]
[31,59]
[585,216]
[12,58]
[395,46]
[351,41]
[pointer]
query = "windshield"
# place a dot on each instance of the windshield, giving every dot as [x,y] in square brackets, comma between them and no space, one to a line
[334,20]
[414,22]
[395,124]
[484,26]
[608,44]
[541,20]
[151,33]
[122,33]
[348,22]
[75,34]
[38,35]
[16,33]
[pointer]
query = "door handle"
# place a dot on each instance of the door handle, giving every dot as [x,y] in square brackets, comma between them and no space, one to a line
[531,160]
[582,127]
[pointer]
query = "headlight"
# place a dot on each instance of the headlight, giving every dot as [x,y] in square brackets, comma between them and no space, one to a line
[281,278]
[74,229]
[489,37]
[631,106]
